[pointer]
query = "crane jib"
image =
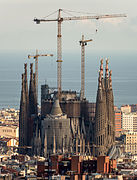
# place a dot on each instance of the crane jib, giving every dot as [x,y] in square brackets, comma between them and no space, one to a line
[81,18]
[93,17]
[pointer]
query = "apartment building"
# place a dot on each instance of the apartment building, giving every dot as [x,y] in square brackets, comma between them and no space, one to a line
[131,142]
[129,121]
[126,108]
[9,131]
[118,122]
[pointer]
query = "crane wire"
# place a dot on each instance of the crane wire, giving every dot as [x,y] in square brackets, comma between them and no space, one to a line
[50,14]
[65,11]
[79,12]
[68,13]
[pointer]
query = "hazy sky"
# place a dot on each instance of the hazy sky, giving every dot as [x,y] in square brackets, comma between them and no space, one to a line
[19,32]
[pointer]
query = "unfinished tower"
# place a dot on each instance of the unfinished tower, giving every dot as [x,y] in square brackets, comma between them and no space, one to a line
[104,135]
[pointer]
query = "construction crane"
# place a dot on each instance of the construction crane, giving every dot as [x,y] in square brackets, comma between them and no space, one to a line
[83,43]
[36,67]
[59,20]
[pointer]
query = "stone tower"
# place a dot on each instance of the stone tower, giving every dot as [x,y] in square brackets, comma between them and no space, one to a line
[28,117]
[33,112]
[104,135]
[23,116]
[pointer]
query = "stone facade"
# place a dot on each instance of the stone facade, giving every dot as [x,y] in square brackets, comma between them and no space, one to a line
[104,132]
[23,115]
[56,131]
[28,111]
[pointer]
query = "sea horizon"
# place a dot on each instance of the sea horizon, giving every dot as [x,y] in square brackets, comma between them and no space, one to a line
[122,64]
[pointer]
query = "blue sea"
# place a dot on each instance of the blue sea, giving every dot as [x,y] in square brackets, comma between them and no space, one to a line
[123,65]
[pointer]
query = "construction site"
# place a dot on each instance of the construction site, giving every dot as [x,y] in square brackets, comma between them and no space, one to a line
[68,122]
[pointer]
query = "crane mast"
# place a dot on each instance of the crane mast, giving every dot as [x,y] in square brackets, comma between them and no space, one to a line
[36,72]
[36,67]
[60,19]
[59,54]
[83,43]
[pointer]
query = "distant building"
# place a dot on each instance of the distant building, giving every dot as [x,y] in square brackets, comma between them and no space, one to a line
[105,165]
[116,108]
[9,131]
[129,121]
[126,108]
[8,142]
[9,116]
[133,107]
[131,142]
[118,122]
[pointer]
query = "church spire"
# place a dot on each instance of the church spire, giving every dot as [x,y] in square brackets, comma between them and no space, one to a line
[23,116]
[32,107]
[110,79]
[25,80]
[32,93]
[56,109]
[107,71]
[23,99]
[35,93]
[104,117]
[107,75]
[101,68]
[99,80]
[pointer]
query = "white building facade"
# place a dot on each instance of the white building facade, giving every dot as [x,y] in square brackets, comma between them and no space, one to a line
[129,122]
[131,142]
[9,131]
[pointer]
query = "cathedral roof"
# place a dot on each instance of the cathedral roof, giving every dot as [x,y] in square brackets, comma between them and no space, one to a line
[56,109]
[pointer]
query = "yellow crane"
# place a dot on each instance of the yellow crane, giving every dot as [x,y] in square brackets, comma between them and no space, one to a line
[83,43]
[36,67]
[59,20]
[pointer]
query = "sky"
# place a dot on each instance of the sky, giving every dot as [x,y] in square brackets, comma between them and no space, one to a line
[18,32]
